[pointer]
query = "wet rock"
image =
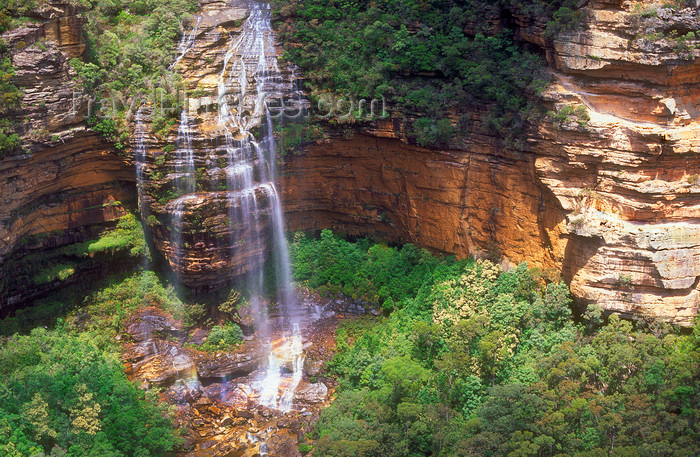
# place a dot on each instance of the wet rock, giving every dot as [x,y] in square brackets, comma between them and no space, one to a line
[198,336]
[245,414]
[313,367]
[203,401]
[150,323]
[245,318]
[208,444]
[311,393]
[227,365]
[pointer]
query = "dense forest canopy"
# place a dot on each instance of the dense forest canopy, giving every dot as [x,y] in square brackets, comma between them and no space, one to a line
[475,360]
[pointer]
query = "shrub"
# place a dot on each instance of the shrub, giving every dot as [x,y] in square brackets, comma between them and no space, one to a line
[62,392]
[232,303]
[128,235]
[222,337]
[499,366]
[58,272]
[431,133]
[432,68]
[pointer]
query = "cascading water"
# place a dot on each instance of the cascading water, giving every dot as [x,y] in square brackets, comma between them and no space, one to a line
[139,155]
[186,42]
[251,60]
[185,155]
[242,169]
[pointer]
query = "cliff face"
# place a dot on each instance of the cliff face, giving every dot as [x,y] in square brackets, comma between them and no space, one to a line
[606,191]
[613,201]
[65,184]
[463,202]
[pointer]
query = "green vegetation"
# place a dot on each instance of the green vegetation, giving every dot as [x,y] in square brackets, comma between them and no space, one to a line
[63,395]
[479,361]
[127,236]
[372,272]
[10,97]
[222,337]
[59,272]
[570,113]
[130,45]
[429,58]
[64,391]
[125,242]
[290,137]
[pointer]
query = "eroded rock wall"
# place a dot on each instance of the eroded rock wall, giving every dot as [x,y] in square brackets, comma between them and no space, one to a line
[65,183]
[612,201]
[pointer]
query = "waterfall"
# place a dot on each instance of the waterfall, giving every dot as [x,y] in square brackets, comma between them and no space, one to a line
[186,43]
[139,156]
[249,61]
[241,161]
[184,160]
[178,212]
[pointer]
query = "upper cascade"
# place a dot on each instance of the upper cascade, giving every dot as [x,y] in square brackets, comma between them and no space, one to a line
[210,184]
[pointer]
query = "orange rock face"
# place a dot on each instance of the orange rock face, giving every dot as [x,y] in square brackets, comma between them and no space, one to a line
[457,202]
[69,184]
[613,201]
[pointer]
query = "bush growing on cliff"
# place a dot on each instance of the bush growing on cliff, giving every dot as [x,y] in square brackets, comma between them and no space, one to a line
[130,47]
[222,337]
[10,97]
[126,236]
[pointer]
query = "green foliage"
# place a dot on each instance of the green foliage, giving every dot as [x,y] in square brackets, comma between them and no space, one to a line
[61,392]
[431,133]
[564,19]
[130,47]
[57,272]
[124,244]
[232,303]
[290,137]
[570,113]
[121,296]
[10,97]
[9,140]
[429,58]
[107,127]
[480,361]
[127,236]
[222,337]
[375,273]
[17,8]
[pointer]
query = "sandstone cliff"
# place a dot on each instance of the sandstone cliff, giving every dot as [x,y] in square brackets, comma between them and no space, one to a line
[613,202]
[65,183]
[606,191]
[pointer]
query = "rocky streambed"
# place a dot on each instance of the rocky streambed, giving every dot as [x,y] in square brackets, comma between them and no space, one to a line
[217,395]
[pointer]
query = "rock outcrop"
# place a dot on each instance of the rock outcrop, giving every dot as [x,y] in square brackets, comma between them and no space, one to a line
[217,396]
[613,201]
[65,184]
